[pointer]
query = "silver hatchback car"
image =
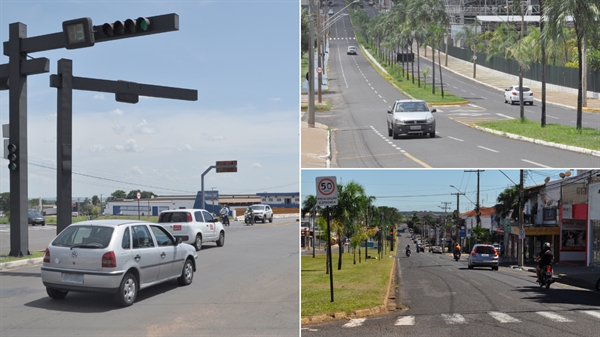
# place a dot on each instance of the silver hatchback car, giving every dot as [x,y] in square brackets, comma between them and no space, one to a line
[483,255]
[117,257]
[410,117]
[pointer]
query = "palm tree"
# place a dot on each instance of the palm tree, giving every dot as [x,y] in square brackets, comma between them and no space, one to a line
[507,202]
[585,14]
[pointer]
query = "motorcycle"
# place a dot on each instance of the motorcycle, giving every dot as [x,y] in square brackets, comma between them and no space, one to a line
[456,256]
[249,219]
[408,253]
[546,277]
[224,220]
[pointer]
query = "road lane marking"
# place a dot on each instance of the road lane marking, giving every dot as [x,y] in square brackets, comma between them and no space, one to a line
[505,116]
[485,148]
[460,140]
[405,320]
[552,117]
[554,317]
[354,322]
[595,313]
[534,163]
[502,317]
[454,319]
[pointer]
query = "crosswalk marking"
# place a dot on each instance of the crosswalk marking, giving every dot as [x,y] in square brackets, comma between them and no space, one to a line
[553,316]
[595,313]
[405,320]
[355,322]
[454,319]
[503,318]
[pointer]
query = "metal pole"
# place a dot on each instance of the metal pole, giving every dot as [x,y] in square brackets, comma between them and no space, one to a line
[329,255]
[311,65]
[520,241]
[64,136]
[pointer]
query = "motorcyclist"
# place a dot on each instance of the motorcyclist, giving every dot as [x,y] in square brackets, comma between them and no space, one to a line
[250,213]
[456,248]
[407,248]
[544,258]
[224,212]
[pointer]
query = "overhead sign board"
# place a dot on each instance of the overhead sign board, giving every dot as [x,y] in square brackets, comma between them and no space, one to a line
[327,194]
[231,163]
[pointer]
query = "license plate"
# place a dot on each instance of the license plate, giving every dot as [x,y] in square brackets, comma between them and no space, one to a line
[72,278]
[415,127]
[485,255]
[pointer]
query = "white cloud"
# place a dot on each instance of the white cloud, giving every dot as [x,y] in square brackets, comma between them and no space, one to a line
[256,165]
[118,129]
[274,99]
[144,128]
[129,146]
[117,112]
[99,96]
[185,147]
[136,170]
[216,138]
[97,148]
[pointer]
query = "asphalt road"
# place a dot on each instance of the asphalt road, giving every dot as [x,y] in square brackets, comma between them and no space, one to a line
[248,287]
[442,297]
[361,98]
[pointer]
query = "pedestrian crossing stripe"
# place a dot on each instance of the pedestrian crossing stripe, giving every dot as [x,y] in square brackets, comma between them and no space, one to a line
[452,319]
[341,38]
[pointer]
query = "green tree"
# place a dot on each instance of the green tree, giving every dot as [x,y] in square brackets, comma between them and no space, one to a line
[506,202]
[304,31]
[95,200]
[5,202]
[585,14]
[118,194]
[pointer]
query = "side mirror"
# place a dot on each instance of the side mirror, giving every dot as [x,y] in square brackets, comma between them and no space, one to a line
[178,241]
[434,110]
[389,111]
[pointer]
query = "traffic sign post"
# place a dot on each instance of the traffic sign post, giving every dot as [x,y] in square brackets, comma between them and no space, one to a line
[139,196]
[327,195]
[221,166]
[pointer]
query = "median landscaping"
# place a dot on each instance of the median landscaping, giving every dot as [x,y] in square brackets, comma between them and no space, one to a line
[357,286]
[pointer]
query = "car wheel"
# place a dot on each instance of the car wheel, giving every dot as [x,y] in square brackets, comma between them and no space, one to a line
[494,268]
[221,240]
[470,266]
[187,274]
[598,284]
[127,291]
[432,134]
[389,131]
[264,219]
[394,135]
[43,224]
[271,219]
[198,242]
[56,294]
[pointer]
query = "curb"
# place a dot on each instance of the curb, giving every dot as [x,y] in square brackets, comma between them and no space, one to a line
[21,263]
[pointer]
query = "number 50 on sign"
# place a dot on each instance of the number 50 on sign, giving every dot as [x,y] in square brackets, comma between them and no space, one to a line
[327,191]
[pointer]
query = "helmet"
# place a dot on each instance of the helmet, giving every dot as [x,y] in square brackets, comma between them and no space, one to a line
[546,245]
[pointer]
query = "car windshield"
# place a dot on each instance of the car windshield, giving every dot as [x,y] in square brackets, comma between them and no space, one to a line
[84,237]
[33,214]
[258,208]
[411,107]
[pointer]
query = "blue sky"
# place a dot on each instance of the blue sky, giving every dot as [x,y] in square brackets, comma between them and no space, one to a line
[428,189]
[239,55]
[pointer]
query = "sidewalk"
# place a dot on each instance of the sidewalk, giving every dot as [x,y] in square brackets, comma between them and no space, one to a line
[562,96]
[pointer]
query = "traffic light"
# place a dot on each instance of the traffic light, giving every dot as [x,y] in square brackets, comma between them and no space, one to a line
[136,27]
[130,26]
[392,231]
[12,157]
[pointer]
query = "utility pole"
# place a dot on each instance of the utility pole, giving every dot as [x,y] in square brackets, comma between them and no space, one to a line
[477,210]
[311,65]
[520,257]
[458,215]
[445,208]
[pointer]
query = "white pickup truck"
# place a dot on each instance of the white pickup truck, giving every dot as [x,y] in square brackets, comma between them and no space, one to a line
[193,226]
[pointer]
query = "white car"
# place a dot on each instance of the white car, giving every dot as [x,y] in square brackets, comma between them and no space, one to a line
[262,213]
[193,226]
[330,12]
[351,50]
[118,257]
[511,95]
[410,117]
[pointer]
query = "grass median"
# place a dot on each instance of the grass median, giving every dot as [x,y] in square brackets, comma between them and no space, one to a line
[356,286]
[587,138]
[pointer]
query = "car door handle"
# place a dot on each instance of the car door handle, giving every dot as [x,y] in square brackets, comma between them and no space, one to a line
[137,257]
[163,255]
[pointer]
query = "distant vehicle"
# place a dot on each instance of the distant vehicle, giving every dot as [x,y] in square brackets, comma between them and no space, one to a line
[35,218]
[351,50]
[410,117]
[420,248]
[262,213]
[193,226]
[371,244]
[118,257]
[511,95]
[330,12]
[436,249]
[370,3]
[483,255]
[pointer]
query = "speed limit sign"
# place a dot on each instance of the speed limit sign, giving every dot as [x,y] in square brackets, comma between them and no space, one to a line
[327,194]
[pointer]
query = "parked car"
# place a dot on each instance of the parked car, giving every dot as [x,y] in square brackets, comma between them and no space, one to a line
[118,257]
[35,218]
[511,95]
[262,213]
[420,248]
[410,117]
[193,226]
[330,12]
[351,50]
[483,255]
